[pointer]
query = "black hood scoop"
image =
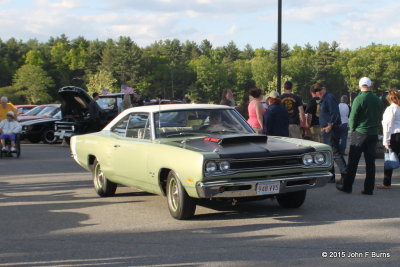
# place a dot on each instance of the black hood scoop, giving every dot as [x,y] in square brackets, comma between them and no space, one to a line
[235,139]
[247,146]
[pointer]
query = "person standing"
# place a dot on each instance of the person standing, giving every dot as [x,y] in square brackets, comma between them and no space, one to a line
[95,113]
[256,110]
[294,107]
[329,121]
[364,124]
[5,107]
[312,115]
[344,110]
[391,132]
[227,98]
[276,118]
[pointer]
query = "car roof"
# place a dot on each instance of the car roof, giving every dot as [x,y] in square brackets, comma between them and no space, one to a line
[169,107]
[156,108]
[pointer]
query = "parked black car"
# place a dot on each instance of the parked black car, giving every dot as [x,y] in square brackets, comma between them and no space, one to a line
[40,129]
[75,117]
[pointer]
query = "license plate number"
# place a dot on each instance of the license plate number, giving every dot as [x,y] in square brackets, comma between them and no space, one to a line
[268,188]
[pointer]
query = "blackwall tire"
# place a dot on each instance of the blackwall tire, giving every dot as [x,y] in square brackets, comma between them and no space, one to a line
[48,136]
[102,186]
[292,200]
[180,204]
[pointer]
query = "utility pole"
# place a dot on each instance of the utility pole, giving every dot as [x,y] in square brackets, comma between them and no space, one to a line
[279,57]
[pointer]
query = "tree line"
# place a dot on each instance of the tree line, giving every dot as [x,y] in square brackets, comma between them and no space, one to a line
[32,72]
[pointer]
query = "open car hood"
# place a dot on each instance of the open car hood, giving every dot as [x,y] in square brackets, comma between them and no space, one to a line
[74,101]
[246,146]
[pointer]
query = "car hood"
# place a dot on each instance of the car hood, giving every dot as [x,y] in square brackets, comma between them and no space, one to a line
[74,100]
[38,121]
[244,146]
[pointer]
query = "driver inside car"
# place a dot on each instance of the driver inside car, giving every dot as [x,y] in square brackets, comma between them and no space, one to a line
[216,123]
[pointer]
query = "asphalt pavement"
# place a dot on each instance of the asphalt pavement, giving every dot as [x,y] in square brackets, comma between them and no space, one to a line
[51,216]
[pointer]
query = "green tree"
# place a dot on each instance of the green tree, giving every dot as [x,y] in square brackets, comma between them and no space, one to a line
[210,80]
[263,70]
[32,83]
[102,79]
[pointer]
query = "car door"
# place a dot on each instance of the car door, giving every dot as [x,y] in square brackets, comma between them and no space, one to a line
[130,153]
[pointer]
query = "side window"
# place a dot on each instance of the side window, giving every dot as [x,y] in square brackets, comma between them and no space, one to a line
[139,126]
[120,127]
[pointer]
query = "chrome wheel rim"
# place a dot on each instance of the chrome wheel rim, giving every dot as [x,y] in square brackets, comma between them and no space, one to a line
[173,194]
[99,177]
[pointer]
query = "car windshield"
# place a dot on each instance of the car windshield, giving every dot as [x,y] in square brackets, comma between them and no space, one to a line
[48,111]
[57,115]
[107,102]
[199,122]
[35,110]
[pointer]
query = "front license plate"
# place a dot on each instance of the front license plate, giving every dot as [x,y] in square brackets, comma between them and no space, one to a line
[268,188]
[62,134]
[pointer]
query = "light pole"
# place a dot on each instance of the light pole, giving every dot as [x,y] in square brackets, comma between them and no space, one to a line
[279,56]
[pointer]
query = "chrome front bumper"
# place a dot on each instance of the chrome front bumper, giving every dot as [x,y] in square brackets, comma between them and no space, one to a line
[63,133]
[247,188]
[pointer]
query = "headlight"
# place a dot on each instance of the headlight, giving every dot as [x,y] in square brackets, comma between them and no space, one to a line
[319,158]
[307,159]
[211,166]
[224,165]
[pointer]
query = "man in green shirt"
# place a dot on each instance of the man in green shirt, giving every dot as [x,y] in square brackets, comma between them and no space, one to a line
[364,123]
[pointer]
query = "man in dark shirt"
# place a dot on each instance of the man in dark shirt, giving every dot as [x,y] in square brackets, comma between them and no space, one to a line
[95,112]
[364,123]
[312,115]
[276,118]
[294,107]
[329,121]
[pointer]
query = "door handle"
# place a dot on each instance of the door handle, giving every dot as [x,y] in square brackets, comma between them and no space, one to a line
[116,145]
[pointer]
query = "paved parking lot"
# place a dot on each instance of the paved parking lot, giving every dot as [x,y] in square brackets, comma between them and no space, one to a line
[50,216]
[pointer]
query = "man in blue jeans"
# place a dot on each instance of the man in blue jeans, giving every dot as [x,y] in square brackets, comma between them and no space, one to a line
[364,123]
[329,121]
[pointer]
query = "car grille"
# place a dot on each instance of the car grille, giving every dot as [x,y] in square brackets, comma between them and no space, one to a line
[64,126]
[266,163]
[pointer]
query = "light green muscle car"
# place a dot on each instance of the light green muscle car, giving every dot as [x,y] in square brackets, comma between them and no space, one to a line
[188,152]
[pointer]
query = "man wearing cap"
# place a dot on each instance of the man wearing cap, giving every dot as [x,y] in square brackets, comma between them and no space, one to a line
[329,121]
[364,124]
[9,127]
[6,107]
[276,118]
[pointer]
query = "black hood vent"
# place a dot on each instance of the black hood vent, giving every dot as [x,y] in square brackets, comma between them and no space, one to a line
[235,139]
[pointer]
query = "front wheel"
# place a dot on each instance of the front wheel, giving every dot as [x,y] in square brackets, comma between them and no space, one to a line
[102,186]
[48,136]
[292,200]
[180,204]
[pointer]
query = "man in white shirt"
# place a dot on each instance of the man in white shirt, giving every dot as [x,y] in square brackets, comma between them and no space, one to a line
[344,110]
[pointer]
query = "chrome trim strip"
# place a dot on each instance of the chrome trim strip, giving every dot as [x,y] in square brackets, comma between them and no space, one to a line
[212,189]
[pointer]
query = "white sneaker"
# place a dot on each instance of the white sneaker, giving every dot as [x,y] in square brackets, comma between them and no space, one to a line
[13,149]
[3,149]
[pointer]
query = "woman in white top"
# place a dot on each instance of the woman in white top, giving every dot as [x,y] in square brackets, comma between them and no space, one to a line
[391,132]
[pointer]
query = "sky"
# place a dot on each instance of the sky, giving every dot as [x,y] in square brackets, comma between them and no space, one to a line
[351,23]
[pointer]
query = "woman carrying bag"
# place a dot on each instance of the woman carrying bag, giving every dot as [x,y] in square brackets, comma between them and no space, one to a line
[391,132]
